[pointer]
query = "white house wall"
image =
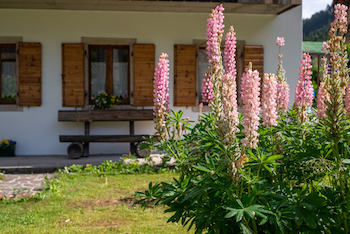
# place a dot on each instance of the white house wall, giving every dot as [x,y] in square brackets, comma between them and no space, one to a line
[37,130]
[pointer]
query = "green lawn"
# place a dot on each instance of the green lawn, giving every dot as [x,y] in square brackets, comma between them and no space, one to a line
[90,204]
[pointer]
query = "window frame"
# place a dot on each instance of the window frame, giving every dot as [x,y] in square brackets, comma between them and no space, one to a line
[200,45]
[109,70]
[96,41]
[16,41]
[13,102]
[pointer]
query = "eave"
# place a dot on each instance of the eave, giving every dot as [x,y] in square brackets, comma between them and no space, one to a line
[274,7]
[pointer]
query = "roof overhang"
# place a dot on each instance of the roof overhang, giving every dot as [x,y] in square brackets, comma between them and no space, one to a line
[231,6]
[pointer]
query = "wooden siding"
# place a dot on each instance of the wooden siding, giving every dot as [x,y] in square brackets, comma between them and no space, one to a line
[232,6]
[255,55]
[73,93]
[29,61]
[144,66]
[184,75]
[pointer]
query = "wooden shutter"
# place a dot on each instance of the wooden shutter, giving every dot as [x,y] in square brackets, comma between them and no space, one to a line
[29,73]
[73,92]
[254,54]
[184,75]
[144,66]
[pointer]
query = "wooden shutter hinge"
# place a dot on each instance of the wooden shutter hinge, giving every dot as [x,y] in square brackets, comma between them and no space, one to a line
[132,94]
[175,81]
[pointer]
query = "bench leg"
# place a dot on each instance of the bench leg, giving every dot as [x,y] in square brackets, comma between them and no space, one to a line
[132,132]
[132,148]
[86,144]
[86,149]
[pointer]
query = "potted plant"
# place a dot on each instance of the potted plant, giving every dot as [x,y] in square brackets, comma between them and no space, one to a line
[104,101]
[7,148]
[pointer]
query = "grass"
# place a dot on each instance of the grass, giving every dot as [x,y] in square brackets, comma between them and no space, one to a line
[89,204]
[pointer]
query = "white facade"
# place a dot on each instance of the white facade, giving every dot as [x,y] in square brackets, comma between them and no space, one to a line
[37,130]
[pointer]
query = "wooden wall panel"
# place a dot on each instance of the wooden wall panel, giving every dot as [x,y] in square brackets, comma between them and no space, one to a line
[29,73]
[185,75]
[144,67]
[255,55]
[73,92]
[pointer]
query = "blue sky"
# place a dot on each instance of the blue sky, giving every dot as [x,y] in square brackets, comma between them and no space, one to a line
[312,6]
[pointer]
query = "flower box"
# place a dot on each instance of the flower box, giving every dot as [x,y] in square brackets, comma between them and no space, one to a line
[7,152]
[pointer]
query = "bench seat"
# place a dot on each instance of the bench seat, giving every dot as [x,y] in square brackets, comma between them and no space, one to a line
[103,138]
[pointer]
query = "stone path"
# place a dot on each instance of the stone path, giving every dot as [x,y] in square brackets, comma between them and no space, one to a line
[22,185]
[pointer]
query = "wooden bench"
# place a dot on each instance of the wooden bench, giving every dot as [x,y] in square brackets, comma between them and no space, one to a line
[80,143]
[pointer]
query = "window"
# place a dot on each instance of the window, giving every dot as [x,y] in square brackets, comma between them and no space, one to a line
[190,65]
[202,68]
[109,71]
[117,66]
[20,80]
[8,71]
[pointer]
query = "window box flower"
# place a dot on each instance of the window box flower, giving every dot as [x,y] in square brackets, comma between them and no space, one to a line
[7,148]
[105,102]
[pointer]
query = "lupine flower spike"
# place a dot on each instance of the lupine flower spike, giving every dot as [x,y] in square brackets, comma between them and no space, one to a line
[229,94]
[268,100]
[282,100]
[161,94]
[323,94]
[207,87]
[250,93]
[304,90]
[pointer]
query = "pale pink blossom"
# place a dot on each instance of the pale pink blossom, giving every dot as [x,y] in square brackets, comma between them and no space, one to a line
[215,29]
[325,46]
[304,89]
[322,97]
[280,41]
[230,52]
[250,92]
[161,94]
[282,100]
[207,88]
[268,100]
[229,93]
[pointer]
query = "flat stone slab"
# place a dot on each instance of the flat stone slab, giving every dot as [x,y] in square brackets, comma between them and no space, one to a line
[15,184]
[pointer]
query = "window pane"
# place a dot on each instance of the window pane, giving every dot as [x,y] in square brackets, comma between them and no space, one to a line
[120,73]
[203,66]
[98,71]
[8,73]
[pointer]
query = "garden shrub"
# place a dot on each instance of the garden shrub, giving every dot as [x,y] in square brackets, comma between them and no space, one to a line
[237,175]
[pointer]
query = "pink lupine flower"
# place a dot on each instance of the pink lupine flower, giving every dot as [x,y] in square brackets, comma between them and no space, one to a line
[282,99]
[230,52]
[340,14]
[207,88]
[229,102]
[304,89]
[268,100]
[280,41]
[161,94]
[250,92]
[325,46]
[322,97]
[229,93]
[215,29]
